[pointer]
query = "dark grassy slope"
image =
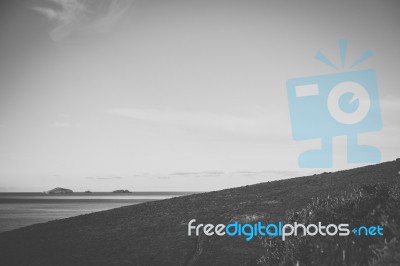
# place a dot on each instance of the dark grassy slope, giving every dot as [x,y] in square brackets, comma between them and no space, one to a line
[155,233]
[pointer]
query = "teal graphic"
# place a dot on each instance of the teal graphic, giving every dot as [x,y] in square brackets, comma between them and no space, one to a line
[338,104]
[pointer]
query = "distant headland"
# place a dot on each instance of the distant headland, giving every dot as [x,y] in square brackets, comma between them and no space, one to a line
[121,191]
[59,190]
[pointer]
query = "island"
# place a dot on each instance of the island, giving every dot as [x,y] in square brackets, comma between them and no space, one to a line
[88,191]
[59,190]
[121,191]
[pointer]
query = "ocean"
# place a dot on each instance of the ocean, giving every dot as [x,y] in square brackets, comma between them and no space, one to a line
[23,209]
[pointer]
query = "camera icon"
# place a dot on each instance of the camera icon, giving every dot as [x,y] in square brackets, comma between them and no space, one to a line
[339,104]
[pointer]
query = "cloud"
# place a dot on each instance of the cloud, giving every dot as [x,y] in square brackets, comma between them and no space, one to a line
[242,174]
[103,178]
[199,174]
[163,177]
[238,175]
[62,124]
[257,125]
[80,17]
[67,15]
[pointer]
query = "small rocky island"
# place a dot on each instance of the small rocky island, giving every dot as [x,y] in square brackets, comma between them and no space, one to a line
[121,191]
[59,190]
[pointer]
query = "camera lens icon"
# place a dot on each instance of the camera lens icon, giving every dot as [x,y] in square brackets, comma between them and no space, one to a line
[348,103]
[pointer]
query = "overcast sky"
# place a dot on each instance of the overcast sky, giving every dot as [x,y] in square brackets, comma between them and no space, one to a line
[175,95]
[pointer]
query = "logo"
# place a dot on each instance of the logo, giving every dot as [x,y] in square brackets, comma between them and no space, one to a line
[338,104]
[280,229]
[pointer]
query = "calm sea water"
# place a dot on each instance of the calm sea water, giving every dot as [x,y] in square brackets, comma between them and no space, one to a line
[22,209]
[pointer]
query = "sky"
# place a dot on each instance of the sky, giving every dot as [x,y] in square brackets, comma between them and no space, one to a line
[176,95]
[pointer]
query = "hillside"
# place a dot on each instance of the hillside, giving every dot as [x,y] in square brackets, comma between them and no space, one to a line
[155,233]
